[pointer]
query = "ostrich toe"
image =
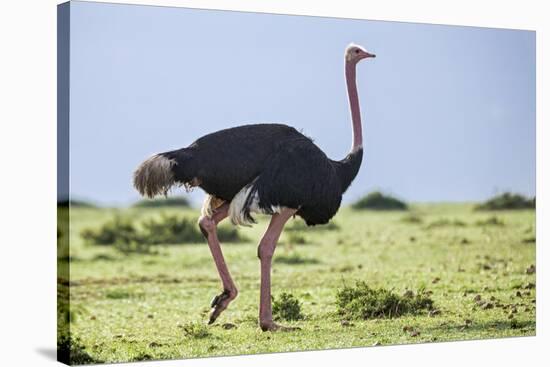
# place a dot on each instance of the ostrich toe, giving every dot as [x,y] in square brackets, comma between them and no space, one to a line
[219,304]
[271,326]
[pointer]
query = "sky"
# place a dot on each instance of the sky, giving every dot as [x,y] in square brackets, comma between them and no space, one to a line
[448,112]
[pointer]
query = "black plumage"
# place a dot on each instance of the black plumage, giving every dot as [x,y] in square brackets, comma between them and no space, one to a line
[283,166]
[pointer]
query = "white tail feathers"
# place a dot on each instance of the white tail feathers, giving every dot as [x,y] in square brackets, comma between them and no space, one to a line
[237,207]
[241,206]
[154,176]
[210,204]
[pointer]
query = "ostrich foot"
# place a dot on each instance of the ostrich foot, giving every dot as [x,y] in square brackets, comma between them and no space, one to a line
[220,302]
[271,326]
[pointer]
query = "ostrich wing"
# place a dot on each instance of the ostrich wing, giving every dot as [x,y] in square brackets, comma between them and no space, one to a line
[299,176]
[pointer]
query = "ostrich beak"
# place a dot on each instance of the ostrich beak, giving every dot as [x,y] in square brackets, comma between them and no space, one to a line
[369,55]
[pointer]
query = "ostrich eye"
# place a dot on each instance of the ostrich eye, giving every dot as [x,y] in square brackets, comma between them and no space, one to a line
[356,50]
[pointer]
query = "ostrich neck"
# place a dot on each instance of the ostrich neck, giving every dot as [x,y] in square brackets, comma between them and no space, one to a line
[347,168]
[357,142]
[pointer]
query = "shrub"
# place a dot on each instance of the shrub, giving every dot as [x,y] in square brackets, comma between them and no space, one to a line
[117,230]
[174,230]
[227,233]
[179,202]
[287,307]
[507,201]
[170,230]
[127,238]
[119,233]
[364,302]
[378,201]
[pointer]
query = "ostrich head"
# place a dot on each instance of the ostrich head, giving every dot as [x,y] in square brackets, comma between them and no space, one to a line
[356,53]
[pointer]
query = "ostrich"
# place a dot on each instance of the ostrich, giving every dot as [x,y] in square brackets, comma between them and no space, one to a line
[261,168]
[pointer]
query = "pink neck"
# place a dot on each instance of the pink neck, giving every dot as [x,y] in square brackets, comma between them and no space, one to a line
[354,106]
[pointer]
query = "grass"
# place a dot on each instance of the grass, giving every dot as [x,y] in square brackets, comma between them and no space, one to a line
[491,221]
[195,330]
[301,226]
[412,218]
[445,222]
[296,238]
[155,306]
[294,259]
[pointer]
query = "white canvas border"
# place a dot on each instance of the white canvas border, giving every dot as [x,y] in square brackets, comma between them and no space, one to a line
[27,138]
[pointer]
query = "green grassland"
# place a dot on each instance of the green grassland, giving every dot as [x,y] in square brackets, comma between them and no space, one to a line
[475,265]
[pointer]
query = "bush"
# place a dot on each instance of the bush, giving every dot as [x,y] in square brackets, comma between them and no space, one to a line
[228,233]
[171,230]
[117,230]
[287,307]
[179,202]
[127,238]
[363,302]
[378,201]
[176,230]
[507,201]
[119,233]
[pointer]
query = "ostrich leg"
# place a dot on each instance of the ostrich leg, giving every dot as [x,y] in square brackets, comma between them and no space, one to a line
[208,228]
[265,253]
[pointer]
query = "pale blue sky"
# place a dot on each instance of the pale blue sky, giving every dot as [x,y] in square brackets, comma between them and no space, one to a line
[448,112]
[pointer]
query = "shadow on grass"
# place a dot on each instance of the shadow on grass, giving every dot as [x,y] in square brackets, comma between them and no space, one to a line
[294,259]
